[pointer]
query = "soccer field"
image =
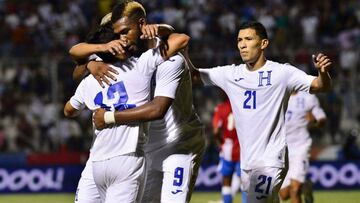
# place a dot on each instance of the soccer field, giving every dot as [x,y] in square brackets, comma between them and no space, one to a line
[198,197]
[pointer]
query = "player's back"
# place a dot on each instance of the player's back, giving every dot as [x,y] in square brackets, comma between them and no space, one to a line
[131,89]
[180,120]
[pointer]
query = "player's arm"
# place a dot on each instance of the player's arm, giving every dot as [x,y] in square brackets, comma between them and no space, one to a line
[150,31]
[174,44]
[83,50]
[323,81]
[153,110]
[70,111]
[195,73]
[102,72]
[315,123]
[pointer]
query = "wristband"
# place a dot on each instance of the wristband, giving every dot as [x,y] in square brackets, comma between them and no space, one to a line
[109,117]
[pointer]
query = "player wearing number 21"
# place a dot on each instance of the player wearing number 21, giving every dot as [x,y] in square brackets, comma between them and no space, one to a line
[259,91]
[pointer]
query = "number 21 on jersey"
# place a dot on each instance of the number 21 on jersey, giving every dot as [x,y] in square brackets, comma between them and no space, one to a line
[250,100]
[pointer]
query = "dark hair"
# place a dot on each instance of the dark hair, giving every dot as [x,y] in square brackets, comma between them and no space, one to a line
[257,26]
[132,9]
[102,35]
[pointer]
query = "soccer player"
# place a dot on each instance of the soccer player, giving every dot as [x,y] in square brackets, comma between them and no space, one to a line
[303,110]
[176,141]
[258,91]
[122,144]
[227,141]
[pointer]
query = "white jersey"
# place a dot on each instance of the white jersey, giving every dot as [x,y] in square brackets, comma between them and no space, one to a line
[300,104]
[130,90]
[181,119]
[259,101]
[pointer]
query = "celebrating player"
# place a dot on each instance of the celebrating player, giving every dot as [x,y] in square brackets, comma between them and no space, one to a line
[122,144]
[258,92]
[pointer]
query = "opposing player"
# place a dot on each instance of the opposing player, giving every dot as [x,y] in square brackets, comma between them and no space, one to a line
[114,183]
[258,92]
[303,110]
[226,139]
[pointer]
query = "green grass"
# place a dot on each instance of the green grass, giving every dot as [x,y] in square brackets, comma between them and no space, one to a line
[198,197]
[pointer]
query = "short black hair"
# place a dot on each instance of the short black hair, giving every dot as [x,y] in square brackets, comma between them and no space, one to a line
[102,35]
[257,26]
[132,9]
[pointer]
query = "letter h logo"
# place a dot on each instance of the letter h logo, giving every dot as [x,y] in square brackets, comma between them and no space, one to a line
[267,78]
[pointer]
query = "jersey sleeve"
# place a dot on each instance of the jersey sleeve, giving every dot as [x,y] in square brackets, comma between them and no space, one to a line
[214,76]
[149,61]
[168,76]
[317,111]
[77,100]
[298,80]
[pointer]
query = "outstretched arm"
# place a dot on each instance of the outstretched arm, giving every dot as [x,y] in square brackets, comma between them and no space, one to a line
[174,44]
[156,109]
[195,73]
[323,82]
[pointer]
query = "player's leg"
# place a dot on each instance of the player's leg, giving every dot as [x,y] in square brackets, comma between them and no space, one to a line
[197,149]
[120,179]
[307,191]
[87,191]
[236,182]
[227,169]
[285,189]
[153,184]
[295,191]
[297,175]
[264,184]
[178,174]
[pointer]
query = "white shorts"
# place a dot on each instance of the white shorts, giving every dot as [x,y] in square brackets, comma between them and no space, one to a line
[119,179]
[298,167]
[172,171]
[87,191]
[262,185]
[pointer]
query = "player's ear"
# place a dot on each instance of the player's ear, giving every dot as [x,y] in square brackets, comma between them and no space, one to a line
[142,22]
[264,43]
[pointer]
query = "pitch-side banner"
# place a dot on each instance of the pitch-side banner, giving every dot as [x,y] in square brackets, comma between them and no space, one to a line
[39,179]
[324,175]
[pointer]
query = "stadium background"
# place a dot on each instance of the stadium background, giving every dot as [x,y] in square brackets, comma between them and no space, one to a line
[41,151]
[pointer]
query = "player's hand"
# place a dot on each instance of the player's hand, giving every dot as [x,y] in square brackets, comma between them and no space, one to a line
[102,72]
[149,31]
[98,118]
[115,47]
[322,62]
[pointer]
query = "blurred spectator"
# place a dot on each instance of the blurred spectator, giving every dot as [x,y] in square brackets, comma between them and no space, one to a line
[351,149]
[35,69]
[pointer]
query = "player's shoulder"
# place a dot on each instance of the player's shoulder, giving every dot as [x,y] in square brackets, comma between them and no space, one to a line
[175,60]
[178,57]
[275,64]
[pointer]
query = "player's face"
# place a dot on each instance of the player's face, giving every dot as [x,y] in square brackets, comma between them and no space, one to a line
[250,45]
[129,30]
